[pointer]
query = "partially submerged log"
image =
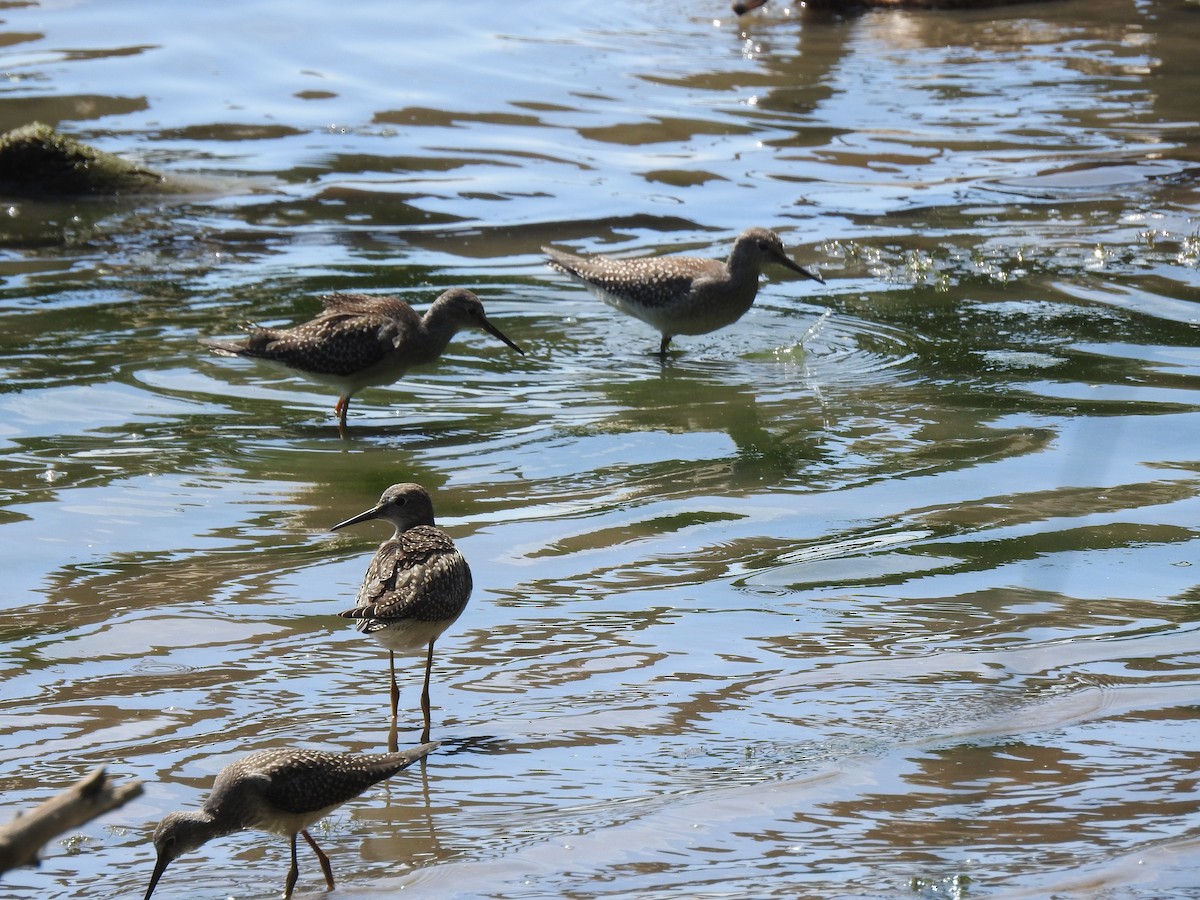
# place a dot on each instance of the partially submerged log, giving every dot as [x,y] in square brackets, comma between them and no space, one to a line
[22,839]
[36,160]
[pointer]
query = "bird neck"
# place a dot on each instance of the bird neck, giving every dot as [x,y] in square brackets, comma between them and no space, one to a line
[219,826]
[194,828]
[744,263]
[402,527]
[437,328]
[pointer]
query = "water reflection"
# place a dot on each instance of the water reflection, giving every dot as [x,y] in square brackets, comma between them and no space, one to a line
[886,590]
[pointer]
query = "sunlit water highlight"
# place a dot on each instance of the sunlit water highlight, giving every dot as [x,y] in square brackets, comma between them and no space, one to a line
[888,590]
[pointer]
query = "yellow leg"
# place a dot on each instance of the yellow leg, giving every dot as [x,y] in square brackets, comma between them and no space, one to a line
[325,867]
[393,744]
[395,694]
[292,874]
[425,693]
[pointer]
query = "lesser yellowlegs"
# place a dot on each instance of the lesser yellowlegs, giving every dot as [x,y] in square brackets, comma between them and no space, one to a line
[415,588]
[280,792]
[743,6]
[681,294]
[362,340]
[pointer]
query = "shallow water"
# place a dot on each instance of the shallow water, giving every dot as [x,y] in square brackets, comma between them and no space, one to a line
[888,590]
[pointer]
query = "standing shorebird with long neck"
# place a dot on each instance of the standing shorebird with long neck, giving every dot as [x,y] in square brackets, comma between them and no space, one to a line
[280,792]
[415,588]
[681,294]
[363,340]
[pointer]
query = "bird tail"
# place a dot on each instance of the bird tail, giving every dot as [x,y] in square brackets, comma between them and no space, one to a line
[566,263]
[258,344]
[222,348]
[365,620]
[414,754]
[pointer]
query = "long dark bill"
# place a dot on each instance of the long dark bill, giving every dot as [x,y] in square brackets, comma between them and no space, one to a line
[796,267]
[497,333]
[160,866]
[372,513]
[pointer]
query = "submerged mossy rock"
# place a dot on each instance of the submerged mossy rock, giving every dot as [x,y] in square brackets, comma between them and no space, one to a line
[36,160]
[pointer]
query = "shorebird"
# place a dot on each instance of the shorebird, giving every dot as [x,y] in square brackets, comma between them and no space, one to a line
[364,340]
[280,792]
[681,294]
[743,6]
[415,588]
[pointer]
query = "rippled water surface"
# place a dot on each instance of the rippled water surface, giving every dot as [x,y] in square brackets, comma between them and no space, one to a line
[889,590]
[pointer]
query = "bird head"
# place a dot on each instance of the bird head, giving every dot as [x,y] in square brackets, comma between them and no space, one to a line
[177,833]
[465,309]
[404,505]
[768,247]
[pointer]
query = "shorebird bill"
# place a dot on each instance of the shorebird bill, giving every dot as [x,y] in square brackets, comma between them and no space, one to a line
[372,513]
[160,866]
[497,333]
[784,260]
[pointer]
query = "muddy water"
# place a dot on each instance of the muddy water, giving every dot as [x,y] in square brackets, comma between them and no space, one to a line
[889,590]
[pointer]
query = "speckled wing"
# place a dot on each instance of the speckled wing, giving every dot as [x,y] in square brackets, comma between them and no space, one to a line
[647,283]
[355,332]
[416,575]
[367,304]
[306,781]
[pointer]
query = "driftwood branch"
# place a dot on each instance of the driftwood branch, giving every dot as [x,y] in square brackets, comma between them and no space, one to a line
[23,838]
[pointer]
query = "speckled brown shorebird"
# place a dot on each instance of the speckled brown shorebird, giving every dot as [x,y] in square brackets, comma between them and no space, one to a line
[681,294]
[362,340]
[280,792]
[415,588]
[742,7]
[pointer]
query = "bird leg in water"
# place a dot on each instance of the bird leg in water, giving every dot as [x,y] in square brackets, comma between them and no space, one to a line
[325,867]
[395,687]
[425,693]
[293,873]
